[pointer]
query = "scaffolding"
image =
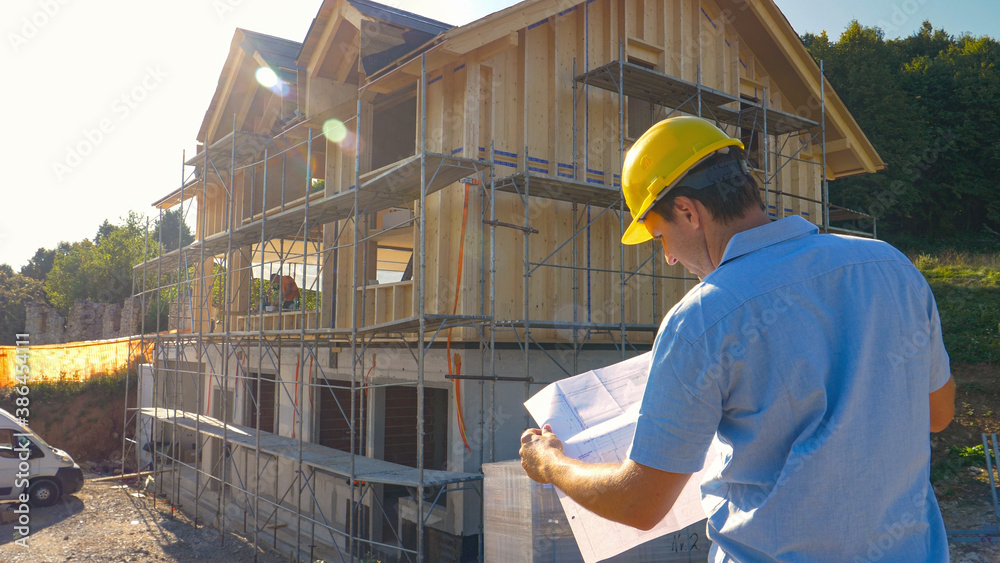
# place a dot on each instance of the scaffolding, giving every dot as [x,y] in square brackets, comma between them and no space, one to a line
[278,488]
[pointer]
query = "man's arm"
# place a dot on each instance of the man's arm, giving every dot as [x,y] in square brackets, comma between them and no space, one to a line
[943,406]
[629,493]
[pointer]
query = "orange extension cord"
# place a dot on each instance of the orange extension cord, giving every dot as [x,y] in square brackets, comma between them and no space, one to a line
[365,384]
[458,359]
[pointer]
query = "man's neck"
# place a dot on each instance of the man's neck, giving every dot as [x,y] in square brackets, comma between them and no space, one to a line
[720,240]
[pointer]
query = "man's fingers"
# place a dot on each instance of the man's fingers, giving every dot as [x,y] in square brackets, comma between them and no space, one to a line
[527,434]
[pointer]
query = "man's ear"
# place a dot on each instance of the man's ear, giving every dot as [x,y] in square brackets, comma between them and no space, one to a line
[686,211]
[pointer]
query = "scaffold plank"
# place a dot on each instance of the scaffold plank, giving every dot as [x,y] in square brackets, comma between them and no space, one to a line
[320,457]
[562,189]
[395,185]
[646,84]
[778,122]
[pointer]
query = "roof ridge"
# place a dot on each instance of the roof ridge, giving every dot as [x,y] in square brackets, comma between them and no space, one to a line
[392,10]
[258,34]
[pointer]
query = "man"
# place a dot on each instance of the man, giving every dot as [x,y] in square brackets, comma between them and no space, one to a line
[814,362]
[287,289]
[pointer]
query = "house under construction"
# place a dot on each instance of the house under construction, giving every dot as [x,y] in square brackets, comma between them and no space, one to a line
[447,202]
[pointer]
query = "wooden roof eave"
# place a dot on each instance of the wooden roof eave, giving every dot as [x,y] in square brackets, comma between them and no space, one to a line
[235,74]
[318,43]
[808,72]
[188,190]
[315,33]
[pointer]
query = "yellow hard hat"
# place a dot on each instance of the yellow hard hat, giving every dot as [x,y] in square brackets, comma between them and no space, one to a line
[659,158]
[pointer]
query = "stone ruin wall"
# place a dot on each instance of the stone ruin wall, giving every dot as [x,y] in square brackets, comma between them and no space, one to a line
[87,321]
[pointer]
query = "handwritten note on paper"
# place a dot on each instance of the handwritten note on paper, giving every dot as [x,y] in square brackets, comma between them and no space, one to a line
[594,414]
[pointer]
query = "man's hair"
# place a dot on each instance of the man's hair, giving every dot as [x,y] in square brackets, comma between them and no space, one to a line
[727,201]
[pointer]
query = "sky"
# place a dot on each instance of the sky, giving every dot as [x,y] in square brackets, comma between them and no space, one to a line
[104,97]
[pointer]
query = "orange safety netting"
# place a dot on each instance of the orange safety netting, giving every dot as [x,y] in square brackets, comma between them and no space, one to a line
[75,361]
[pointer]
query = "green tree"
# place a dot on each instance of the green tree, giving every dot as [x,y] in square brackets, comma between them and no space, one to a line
[865,70]
[112,260]
[104,230]
[67,281]
[40,264]
[101,271]
[173,228]
[956,86]
[920,100]
[16,291]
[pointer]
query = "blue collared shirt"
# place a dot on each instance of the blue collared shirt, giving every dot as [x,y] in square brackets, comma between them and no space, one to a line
[808,359]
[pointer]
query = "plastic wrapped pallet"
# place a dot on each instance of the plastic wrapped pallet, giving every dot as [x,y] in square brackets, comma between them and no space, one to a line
[524,522]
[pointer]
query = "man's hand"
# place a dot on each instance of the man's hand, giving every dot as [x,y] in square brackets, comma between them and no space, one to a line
[539,449]
[628,492]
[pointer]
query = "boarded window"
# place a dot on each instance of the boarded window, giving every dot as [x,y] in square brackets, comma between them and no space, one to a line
[334,412]
[640,117]
[261,398]
[401,440]
[639,113]
[401,426]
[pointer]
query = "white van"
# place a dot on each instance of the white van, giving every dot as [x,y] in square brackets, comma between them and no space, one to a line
[51,472]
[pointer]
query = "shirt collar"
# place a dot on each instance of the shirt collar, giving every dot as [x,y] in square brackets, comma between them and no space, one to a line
[757,238]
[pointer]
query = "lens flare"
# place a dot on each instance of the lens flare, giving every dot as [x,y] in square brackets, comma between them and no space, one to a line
[281,88]
[335,130]
[266,77]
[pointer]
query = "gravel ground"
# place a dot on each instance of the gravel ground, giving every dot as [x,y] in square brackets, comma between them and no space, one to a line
[105,523]
[971,515]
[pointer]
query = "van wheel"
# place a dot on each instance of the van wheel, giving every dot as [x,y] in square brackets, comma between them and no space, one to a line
[43,493]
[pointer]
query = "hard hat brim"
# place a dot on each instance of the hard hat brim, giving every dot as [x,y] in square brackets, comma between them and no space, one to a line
[636,233]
